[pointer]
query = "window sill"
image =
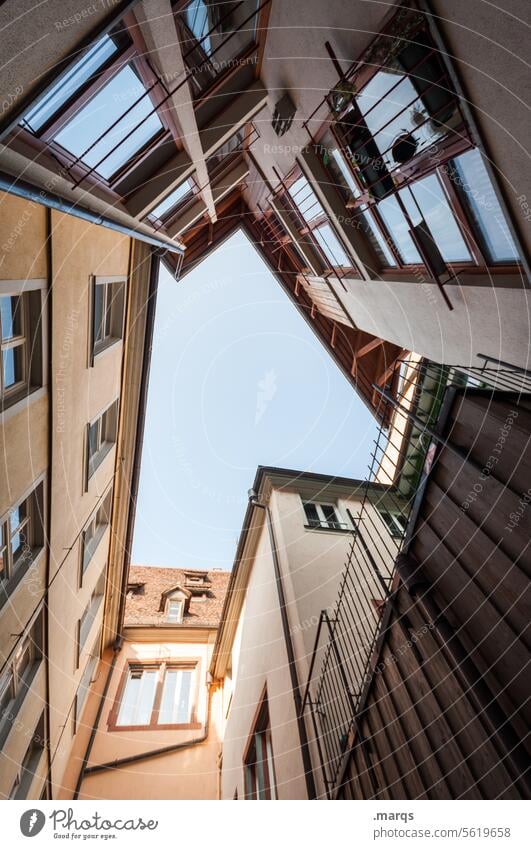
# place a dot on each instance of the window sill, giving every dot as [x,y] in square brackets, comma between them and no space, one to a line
[330,530]
[9,725]
[107,346]
[21,402]
[91,550]
[8,588]
[183,726]
[98,461]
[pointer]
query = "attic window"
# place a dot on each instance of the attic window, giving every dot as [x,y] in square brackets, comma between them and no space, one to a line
[136,588]
[175,611]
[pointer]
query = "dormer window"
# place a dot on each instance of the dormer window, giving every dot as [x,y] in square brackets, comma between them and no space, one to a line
[175,611]
[323,516]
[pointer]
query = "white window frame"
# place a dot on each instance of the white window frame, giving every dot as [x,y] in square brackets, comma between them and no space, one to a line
[113,291]
[106,438]
[324,523]
[31,644]
[12,571]
[93,532]
[33,340]
[179,618]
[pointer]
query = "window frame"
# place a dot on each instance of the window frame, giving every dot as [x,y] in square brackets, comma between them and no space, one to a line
[261,728]
[325,524]
[31,340]
[26,770]
[394,527]
[12,571]
[180,615]
[162,665]
[83,687]
[113,314]
[20,683]
[88,548]
[436,158]
[232,65]
[89,614]
[44,139]
[104,444]
[307,227]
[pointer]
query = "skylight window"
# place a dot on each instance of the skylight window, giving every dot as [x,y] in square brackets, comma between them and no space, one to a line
[62,91]
[115,104]
[171,201]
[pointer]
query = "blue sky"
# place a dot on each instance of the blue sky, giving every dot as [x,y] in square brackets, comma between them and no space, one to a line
[237,379]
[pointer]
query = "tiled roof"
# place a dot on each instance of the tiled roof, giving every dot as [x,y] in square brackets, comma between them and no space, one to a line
[144,608]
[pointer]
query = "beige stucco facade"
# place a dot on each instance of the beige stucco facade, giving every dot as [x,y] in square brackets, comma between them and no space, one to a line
[44,450]
[251,653]
[191,773]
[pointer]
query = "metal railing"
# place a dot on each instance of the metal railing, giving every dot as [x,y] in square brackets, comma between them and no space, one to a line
[344,652]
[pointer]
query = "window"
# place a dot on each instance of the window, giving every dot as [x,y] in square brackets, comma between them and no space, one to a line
[101,436]
[171,201]
[323,516]
[94,530]
[21,540]
[91,62]
[86,680]
[259,772]
[89,614]
[108,302]
[317,222]
[471,178]
[395,523]
[20,346]
[30,762]
[205,26]
[158,694]
[175,611]
[18,675]
[117,122]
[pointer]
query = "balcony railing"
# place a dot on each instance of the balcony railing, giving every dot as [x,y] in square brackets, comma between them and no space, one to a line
[342,662]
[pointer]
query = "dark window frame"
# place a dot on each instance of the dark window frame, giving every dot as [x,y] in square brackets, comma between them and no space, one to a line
[258,771]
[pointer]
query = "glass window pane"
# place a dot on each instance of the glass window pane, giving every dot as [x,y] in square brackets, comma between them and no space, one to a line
[11,316]
[329,514]
[377,240]
[305,199]
[137,701]
[176,697]
[93,438]
[99,300]
[434,208]
[331,246]
[220,19]
[7,694]
[342,172]
[398,228]
[391,114]
[93,59]
[471,177]
[13,365]
[311,514]
[111,102]
[171,200]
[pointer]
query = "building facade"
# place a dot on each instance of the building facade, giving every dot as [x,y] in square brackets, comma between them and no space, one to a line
[76,318]
[296,539]
[158,724]
[384,183]
[396,658]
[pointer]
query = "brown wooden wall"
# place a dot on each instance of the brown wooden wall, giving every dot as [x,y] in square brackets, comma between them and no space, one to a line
[447,711]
